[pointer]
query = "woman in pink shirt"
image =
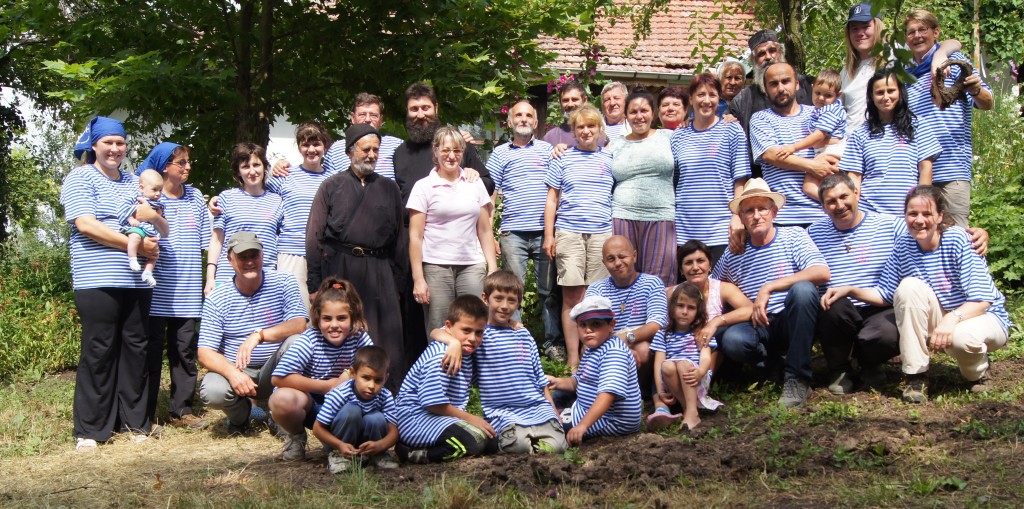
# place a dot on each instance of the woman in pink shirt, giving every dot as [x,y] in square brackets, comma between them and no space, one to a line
[451,246]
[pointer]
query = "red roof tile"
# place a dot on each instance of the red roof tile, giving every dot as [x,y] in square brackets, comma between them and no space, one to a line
[667,50]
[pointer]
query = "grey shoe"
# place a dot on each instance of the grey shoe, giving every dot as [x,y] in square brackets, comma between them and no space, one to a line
[794,392]
[983,384]
[916,389]
[294,447]
[385,461]
[336,463]
[841,384]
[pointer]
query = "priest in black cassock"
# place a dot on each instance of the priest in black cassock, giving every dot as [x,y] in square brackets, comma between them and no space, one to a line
[355,232]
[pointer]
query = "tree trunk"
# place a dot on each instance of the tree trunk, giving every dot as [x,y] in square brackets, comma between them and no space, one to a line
[243,77]
[792,27]
[264,99]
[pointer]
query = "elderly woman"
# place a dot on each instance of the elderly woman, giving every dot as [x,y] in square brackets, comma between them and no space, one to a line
[944,297]
[890,154]
[578,216]
[643,208]
[711,160]
[178,300]
[672,104]
[249,207]
[733,76]
[449,224]
[112,380]
[951,172]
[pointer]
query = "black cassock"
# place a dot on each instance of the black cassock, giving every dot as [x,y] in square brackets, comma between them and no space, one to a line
[354,233]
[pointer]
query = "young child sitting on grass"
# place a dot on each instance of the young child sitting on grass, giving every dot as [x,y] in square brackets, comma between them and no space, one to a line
[514,391]
[151,185]
[316,362]
[827,125]
[607,393]
[682,371]
[358,420]
[432,420]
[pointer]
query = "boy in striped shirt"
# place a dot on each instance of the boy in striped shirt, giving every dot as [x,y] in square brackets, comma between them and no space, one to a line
[607,393]
[433,423]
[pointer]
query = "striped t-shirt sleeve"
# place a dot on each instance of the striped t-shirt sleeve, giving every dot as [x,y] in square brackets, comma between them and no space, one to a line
[832,120]
[298,357]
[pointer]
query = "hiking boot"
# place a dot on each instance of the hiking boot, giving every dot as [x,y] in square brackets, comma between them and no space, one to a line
[188,421]
[336,463]
[294,447]
[554,352]
[872,376]
[841,384]
[385,461]
[661,419]
[983,384]
[238,429]
[276,430]
[915,389]
[794,392]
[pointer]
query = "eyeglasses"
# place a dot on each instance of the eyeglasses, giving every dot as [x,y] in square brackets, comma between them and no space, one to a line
[918,31]
[449,151]
[364,115]
[182,163]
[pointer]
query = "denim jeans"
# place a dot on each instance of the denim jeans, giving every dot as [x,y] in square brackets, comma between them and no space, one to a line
[516,249]
[354,427]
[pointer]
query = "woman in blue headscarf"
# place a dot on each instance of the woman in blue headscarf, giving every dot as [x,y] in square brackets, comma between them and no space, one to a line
[112,379]
[178,299]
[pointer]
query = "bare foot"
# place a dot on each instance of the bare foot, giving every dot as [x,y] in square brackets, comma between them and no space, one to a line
[689,424]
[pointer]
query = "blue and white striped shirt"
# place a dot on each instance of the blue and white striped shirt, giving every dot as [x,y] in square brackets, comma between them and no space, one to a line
[636,305]
[229,317]
[609,368]
[830,119]
[180,266]
[855,257]
[789,252]
[130,202]
[585,180]
[613,131]
[88,192]
[518,172]
[708,162]
[314,357]
[954,271]
[426,384]
[297,191]
[511,379]
[337,160]
[769,129]
[951,127]
[679,346]
[888,164]
[341,395]
[261,215]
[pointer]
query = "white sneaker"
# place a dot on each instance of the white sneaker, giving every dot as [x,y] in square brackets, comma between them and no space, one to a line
[385,461]
[85,445]
[294,447]
[147,277]
[336,463]
[133,263]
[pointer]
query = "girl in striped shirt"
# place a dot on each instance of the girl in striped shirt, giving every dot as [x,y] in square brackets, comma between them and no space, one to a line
[682,370]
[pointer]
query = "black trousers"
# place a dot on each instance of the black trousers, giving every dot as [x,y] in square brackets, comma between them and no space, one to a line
[112,382]
[178,336]
[867,333]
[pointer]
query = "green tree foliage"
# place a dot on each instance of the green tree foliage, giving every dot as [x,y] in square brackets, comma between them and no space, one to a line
[216,72]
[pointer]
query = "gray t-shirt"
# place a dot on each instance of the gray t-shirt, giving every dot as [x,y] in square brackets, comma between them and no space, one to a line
[643,173]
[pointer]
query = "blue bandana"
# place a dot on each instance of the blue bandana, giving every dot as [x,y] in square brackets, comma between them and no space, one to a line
[94,130]
[157,158]
[925,66]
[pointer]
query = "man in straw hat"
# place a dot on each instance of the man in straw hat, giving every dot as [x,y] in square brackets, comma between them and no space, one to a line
[779,270]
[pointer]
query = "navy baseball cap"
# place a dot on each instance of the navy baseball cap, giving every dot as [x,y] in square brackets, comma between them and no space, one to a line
[860,12]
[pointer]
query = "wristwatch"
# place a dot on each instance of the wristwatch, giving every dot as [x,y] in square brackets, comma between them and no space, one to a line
[260,332]
[630,338]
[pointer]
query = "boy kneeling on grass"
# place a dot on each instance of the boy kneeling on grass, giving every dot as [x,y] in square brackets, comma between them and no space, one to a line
[607,394]
[358,418]
[432,419]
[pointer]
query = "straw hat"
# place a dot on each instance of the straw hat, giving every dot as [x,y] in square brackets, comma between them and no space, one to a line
[755,188]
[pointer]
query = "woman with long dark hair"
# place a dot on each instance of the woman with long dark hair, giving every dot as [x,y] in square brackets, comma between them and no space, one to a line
[890,154]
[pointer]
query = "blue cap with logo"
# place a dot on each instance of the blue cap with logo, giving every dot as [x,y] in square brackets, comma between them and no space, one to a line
[860,12]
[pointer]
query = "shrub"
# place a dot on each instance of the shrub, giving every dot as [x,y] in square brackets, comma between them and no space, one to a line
[39,327]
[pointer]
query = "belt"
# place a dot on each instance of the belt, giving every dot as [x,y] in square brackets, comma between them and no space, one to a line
[361,251]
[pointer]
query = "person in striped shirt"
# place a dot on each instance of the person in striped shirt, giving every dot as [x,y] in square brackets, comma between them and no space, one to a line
[951,172]
[779,270]
[433,423]
[518,169]
[893,151]
[178,302]
[613,105]
[785,123]
[944,297]
[243,333]
[359,420]
[297,191]
[607,394]
[316,362]
[578,215]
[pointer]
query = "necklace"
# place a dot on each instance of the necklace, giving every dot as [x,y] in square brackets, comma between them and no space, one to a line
[629,295]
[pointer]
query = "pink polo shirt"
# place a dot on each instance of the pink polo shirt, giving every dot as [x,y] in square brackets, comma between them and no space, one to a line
[452,210]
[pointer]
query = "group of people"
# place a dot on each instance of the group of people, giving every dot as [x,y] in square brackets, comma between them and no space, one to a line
[755,221]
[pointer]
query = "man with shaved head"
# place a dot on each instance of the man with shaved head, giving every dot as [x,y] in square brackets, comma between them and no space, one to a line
[638,300]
